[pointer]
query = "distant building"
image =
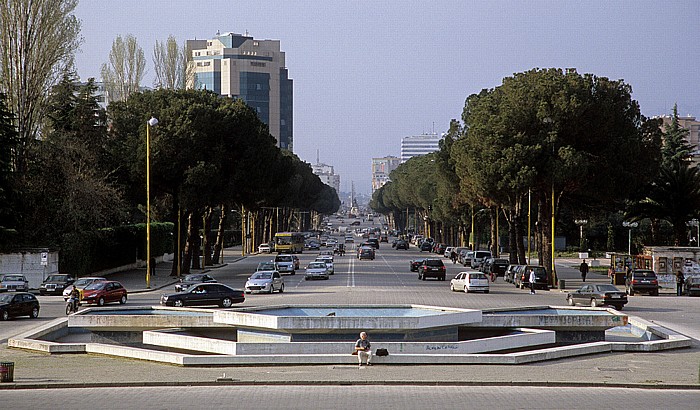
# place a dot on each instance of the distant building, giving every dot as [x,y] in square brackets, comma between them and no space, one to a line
[693,127]
[239,66]
[418,145]
[326,174]
[381,168]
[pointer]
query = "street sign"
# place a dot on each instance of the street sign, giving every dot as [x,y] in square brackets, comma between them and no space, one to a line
[44,259]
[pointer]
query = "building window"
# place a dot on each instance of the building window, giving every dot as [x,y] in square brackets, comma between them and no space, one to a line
[257,64]
[255,43]
[258,86]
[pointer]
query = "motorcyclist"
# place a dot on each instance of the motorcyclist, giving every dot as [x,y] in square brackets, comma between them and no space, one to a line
[75,298]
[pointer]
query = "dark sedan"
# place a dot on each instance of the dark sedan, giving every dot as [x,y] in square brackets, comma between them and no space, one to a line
[415,264]
[598,295]
[55,284]
[192,279]
[18,304]
[401,244]
[204,294]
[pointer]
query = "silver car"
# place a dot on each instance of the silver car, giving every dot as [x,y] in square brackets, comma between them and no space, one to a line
[265,281]
[12,282]
[316,270]
[328,260]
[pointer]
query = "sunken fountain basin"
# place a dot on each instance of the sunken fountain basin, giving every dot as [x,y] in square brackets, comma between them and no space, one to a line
[306,323]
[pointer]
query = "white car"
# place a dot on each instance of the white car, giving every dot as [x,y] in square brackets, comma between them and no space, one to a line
[285,263]
[316,270]
[448,252]
[265,281]
[328,260]
[265,248]
[470,282]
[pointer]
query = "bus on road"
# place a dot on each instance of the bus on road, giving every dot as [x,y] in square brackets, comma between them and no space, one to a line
[289,242]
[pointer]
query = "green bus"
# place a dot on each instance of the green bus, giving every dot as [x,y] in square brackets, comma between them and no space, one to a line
[289,242]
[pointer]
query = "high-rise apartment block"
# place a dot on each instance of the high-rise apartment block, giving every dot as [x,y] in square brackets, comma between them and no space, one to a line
[381,168]
[326,174]
[240,66]
[418,145]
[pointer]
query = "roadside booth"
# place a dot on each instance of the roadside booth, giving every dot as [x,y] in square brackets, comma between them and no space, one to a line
[619,264]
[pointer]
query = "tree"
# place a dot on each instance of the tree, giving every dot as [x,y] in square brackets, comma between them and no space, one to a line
[8,143]
[37,42]
[123,74]
[676,147]
[170,62]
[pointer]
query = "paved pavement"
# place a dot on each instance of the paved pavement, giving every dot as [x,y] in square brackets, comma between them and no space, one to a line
[672,369]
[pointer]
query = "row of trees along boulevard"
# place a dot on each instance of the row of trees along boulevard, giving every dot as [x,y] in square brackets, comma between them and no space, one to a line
[549,140]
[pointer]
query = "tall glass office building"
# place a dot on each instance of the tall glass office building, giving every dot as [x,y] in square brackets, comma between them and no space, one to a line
[236,65]
[419,145]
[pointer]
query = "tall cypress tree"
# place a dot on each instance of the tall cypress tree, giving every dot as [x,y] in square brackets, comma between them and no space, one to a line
[8,144]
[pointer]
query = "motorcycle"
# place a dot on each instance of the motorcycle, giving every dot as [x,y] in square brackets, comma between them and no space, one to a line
[72,305]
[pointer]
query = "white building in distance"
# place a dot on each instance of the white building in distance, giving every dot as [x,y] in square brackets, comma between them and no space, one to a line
[418,145]
[381,168]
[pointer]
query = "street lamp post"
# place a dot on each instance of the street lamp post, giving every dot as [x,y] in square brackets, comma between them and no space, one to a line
[150,123]
[630,226]
[581,223]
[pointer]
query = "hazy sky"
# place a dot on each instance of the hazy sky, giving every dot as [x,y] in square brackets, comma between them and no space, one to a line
[367,73]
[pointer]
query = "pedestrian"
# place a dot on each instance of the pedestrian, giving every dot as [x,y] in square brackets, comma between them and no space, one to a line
[680,278]
[364,349]
[532,281]
[584,270]
[153,266]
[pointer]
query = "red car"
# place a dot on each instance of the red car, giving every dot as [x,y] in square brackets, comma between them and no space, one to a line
[104,292]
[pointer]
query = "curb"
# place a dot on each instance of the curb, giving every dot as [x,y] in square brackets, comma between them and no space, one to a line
[235,382]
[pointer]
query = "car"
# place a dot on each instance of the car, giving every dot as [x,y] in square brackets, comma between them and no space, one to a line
[325,253]
[365,252]
[18,304]
[339,249]
[316,270]
[285,263]
[103,292]
[312,245]
[265,248]
[81,284]
[692,286]
[522,278]
[497,266]
[204,294]
[401,244]
[191,279]
[448,251]
[12,282]
[349,239]
[470,282]
[426,246]
[642,281]
[265,281]
[464,256]
[355,223]
[478,258]
[414,264]
[432,268]
[55,284]
[511,272]
[597,295]
[374,242]
[269,265]
[384,238]
[328,260]
[439,248]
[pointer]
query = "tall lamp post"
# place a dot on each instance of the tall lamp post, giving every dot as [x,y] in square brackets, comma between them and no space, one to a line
[150,123]
[694,223]
[630,226]
[581,223]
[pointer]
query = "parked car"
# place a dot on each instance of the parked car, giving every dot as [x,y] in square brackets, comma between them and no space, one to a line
[81,284]
[497,266]
[692,286]
[104,292]
[365,252]
[285,263]
[18,304]
[316,270]
[642,281]
[55,284]
[448,251]
[205,294]
[440,248]
[597,295]
[12,282]
[478,258]
[510,273]
[415,264]
[470,282]
[265,248]
[522,278]
[432,268]
[328,260]
[265,281]
[401,244]
[192,279]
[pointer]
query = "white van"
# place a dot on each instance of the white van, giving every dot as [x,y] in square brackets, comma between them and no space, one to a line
[478,258]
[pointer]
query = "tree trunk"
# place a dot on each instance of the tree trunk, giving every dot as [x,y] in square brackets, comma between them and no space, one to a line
[192,250]
[206,245]
[175,214]
[219,244]
[493,213]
